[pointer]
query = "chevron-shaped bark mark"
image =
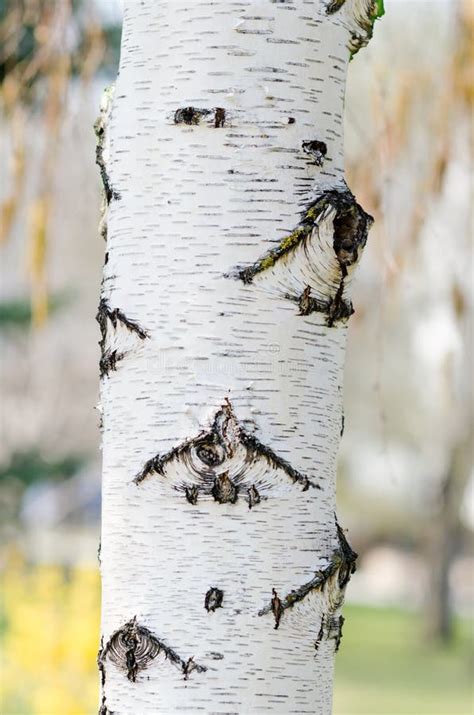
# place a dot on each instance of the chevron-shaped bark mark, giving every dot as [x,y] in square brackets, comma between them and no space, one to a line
[294,262]
[224,463]
[110,357]
[333,580]
[133,647]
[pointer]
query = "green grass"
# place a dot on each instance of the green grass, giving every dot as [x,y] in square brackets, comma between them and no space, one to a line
[385,667]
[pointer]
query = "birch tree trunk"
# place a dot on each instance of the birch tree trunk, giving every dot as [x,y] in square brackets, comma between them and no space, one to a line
[232,239]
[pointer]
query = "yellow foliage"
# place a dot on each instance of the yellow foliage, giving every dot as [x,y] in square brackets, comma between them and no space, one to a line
[50,630]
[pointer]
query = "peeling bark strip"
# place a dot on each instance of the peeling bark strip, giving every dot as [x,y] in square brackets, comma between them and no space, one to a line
[109,358]
[133,647]
[213,599]
[222,461]
[342,564]
[350,226]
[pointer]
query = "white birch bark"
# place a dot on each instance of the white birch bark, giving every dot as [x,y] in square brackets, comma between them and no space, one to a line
[231,243]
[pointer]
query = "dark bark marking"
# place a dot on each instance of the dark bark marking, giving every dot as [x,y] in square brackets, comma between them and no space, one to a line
[320,635]
[100,662]
[339,622]
[305,303]
[193,115]
[224,490]
[192,494]
[190,115]
[189,666]
[348,558]
[343,425]
[103,710]
[215,656]
[316,149]
[109,191]
[98,552]
[133,647]
[276,608]
[213,599]
[338,309]
[108,361]
[253,496]
[342,563]
[291,120]
[110,358]
[219,117]
[207,453]
[331,629]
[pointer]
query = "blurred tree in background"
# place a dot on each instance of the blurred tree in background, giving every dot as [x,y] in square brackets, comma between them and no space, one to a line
[406,487]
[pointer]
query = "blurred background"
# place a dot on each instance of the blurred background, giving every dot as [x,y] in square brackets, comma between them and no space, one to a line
[406,482]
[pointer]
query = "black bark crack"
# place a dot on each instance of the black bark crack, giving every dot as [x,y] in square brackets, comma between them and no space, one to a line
[213,599]
[133,647]
[109,358]
[342,563]
[219,460]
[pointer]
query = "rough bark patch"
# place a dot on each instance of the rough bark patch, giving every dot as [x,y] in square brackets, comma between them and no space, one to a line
[213,599]
[316,149]
[193,115]
[133,647]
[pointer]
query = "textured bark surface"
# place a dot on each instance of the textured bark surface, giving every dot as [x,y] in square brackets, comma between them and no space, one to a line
[231,243]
